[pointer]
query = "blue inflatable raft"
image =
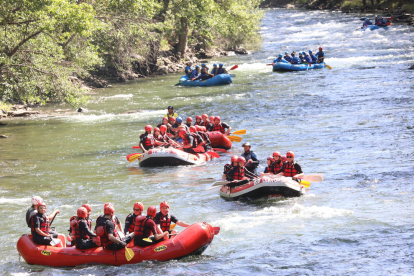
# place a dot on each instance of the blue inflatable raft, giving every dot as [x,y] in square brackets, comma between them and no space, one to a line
[217,80]
[375,27]
[282,66]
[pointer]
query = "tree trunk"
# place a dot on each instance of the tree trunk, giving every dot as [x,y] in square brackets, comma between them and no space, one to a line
[364,2]
[183,37]
[372,2]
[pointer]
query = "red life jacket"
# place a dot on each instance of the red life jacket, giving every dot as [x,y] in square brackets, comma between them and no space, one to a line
[148,141]
[218,127]
[186,140]
[140,229]
[238,173]
[289,169]
[227,168]
[206,124]
[131,224]
[74,226]
[45,225]
[103,235]
[159,138]
[276,166]
[165,222]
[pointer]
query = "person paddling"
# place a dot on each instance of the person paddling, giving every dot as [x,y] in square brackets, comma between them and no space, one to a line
[195,73]
[163,219]
[189,121]
[251,157]
[295,60]
[269,168]
[313,57]
[130,219]
[32,211]
[148,141]
[219,126]
[280,59]
[277,162]
[145,227]
[228,167]
[190,142]
[115,219]
[204,75]
[290,168]
[307,58]
[287,57]
[221,69]
[320,55]
[214,70]
[41,232]
[80,230]
[198,121]
[202,131]
[366,23]
[189,69]
[106,230]
[206,122]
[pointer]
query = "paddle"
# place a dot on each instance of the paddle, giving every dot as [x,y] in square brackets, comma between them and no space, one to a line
[329,67]
[305,184]
[312,177]
[213,154]
[129,254]
[220,183]
[220,150]
[52,219]
[216,230]
[234,67]
[172,226]
[269,64]
[207,180]
[133,156]
[239,132]
[234,138]
[136,147]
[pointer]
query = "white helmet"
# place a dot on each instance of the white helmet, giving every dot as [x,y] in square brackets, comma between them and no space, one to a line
[36,200]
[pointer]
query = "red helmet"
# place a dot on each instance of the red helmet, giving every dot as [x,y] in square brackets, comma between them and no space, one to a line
[109,210]
[283,158]
[320,48]
[107,204]
[165,118]
[152,211]
[198,128]
[172,119]
[36,200]
[148,128]
[41,204]
[189,119]
[163,128]
[241,159]
[182,133]
[217,118]
[270,158]
[139,205]
[290,153]
[204,128]
[82,212]
[156,129]
[276,153]
[193,129]
[87,207]
[234,158]
[198,117]
[204,116]
[164,203]
[211,119]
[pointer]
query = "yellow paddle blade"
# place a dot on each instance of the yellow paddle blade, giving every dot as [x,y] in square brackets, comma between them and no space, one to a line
[147,239]
[305,184]
[239,132]
[234,138]
[172,226]
[329,67]
[134,157]
[129,254]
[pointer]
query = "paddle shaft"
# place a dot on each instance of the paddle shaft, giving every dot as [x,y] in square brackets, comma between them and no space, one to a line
[53,219]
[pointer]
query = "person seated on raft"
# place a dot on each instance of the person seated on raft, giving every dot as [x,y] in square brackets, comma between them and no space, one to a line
[252,161]
[280,59]
[198,121]
[197,136]
[290,168]
[214,70]
[195,73]
[107,232]
[366,23]
[219,126]
[32,211]
[163,220]
[307,58]
[202,131]
[166,137]
[115,219]
[148,141]
[189,121]
[41,232]
[145,227]
[189,69]
[206,122]
[190,144]
[164,122]
[277,162]
[320,55]
[88,221]
[382,22]
[287,57]
[221,69]
[301,58]
[177,127]
[81,230]
[313,57]
[171,112]
[269,168]
[157,135]
[130,219]
[228,167]
[295,60]
[204,75]
[237,174]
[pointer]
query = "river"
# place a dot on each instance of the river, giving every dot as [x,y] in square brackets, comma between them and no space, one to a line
[353,123]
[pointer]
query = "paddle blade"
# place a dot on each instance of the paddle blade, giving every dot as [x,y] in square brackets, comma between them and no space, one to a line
[136,147]
[133,156]
[234,67]
[269,64]
[213,154]
[312,177]
[234,138]
[207,180]
[220,150]
[220,183]
[216,230]
[305,184]
[329,67]
[129,254]
[239,132]
[172,226]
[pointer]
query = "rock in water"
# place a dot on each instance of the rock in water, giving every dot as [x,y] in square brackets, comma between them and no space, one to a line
[411,68]
[3,136]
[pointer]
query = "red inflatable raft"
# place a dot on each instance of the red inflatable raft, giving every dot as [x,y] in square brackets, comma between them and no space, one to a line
[219,140]
[159,157]
[191,241]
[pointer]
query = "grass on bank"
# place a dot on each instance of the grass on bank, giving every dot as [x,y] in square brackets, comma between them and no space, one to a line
[6,107]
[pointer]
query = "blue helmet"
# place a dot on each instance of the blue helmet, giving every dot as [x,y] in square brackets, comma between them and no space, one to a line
[197,66]
[310,52]
[367,19]
[179,120]
[303,53]
[286,53]
[221,64]
[203,65]
[214,64]
[280,55]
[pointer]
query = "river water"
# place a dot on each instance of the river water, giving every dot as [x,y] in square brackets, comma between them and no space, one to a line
[353,123]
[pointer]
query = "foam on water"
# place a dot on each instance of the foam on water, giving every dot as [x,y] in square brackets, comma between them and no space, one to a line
[17,201]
